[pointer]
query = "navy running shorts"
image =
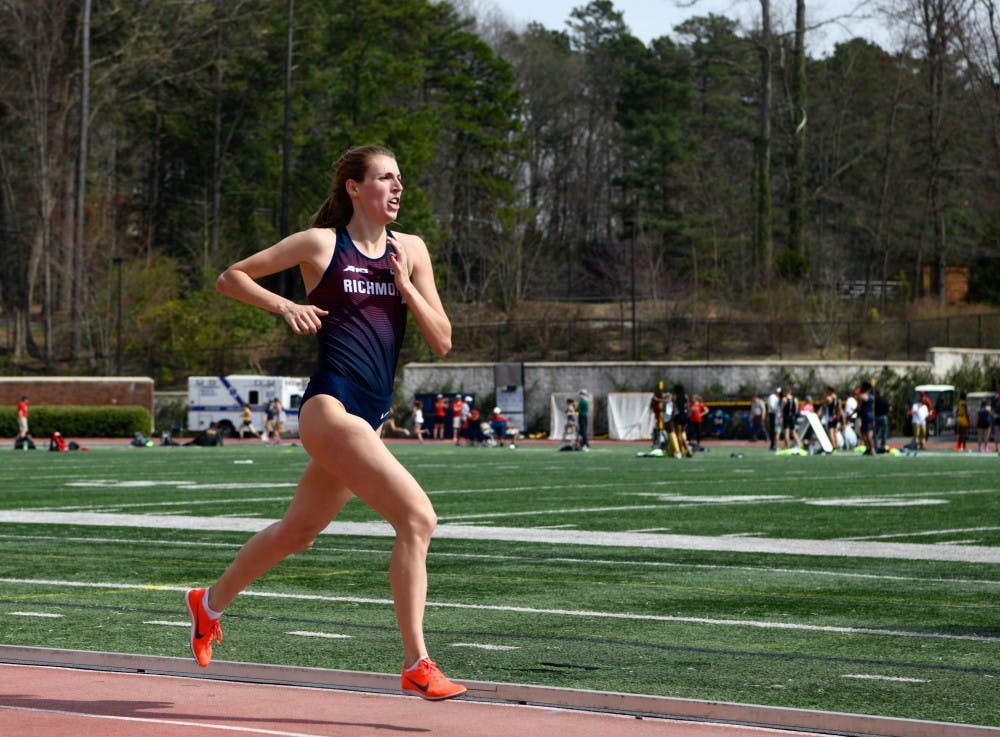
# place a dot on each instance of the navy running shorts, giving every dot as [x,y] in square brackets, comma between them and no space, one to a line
[371,407]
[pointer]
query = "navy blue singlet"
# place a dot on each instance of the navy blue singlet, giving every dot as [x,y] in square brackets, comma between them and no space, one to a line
[360,338]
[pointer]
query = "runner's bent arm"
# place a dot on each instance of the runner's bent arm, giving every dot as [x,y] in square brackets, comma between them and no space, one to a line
[304,249]
[415,281]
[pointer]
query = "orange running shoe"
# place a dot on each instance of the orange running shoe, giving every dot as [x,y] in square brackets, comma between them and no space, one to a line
[204,629]
[428,682]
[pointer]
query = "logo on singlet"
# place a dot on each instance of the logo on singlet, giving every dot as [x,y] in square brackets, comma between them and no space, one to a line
[355,269]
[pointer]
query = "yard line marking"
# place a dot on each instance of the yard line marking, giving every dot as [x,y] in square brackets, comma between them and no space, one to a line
[49,615]
[327,635]
[534,611]
[480,646]
[897,679]
[874,501]
[185,484]
[958,542]
[891,535]
[543,512]
[727,499]
[746,545]
[119,540]
[150,505]
[319,548]
[165,623]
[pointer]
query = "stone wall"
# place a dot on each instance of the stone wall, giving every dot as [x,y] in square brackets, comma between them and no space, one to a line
[733,379]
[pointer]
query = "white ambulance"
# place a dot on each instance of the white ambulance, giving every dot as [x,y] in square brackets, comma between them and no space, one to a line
[220,399]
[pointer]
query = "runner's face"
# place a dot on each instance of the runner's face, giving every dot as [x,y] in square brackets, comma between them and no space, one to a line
[380,193]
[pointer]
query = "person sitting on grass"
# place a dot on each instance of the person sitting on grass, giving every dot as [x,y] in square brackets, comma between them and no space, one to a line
[209,437]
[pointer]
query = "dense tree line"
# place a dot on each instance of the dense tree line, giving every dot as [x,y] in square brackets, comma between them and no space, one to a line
[149,143]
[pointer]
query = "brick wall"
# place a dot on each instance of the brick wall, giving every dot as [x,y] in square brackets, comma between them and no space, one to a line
[78,390]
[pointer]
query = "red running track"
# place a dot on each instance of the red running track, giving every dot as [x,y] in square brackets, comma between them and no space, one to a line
[47,701]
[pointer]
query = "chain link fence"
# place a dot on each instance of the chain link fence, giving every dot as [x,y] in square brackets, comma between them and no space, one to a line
[719,340]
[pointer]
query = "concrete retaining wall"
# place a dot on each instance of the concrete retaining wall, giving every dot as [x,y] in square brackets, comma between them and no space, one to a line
[736,379]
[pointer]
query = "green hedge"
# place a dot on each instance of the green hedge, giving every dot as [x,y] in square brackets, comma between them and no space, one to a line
[79,422]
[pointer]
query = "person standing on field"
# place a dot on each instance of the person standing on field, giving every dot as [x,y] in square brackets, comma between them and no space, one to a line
[962,424]
[583,420]
[919,413]
[440,415]
[882,409]
[362,281]
[418,420]
[773,406]
[22,419]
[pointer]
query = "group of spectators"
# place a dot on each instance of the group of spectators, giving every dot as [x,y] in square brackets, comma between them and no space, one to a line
[985,419]
[677,422]
[468,425]
[859,417]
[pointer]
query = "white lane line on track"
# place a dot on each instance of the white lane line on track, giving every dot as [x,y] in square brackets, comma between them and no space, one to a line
[151,720]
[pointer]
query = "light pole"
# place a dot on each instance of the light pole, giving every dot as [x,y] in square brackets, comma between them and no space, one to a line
[117,261]
[632,227]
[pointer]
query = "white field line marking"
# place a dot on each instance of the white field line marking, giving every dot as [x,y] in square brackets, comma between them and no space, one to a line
[958,542]
[166,623]
[897,679]
[726,499]
[318,549]
[152,505]
[745,545]
[480,646]
[874,501]
[152,720]
[891,535]
[120,540]
[48,615]
[544,512]
[327,635]
[582,613]
[145,483]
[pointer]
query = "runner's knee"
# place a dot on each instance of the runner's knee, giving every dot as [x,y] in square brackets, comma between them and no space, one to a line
[293,538]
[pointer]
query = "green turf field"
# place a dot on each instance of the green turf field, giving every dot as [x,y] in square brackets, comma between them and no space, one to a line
[841,583]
